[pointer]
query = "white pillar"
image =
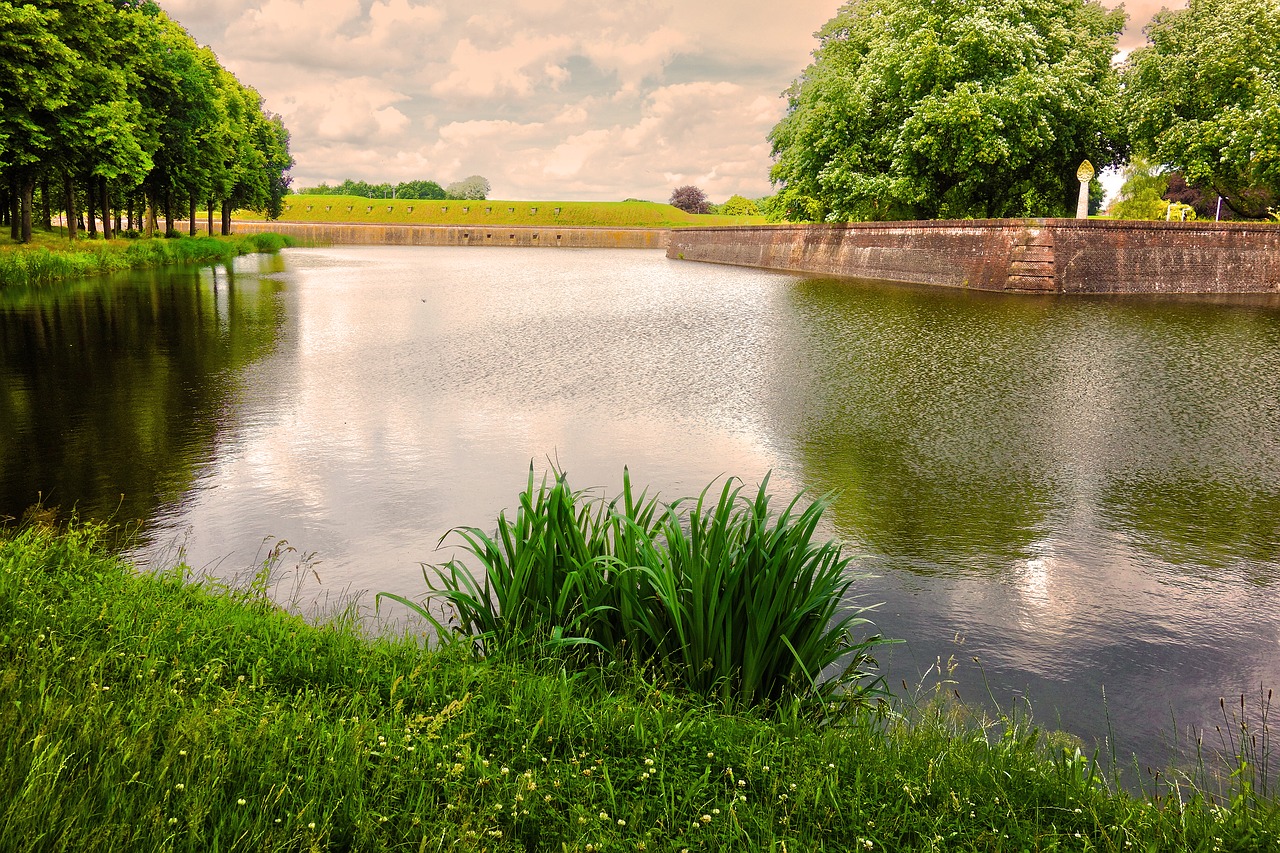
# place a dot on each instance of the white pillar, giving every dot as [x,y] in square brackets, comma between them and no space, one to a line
[1084,175]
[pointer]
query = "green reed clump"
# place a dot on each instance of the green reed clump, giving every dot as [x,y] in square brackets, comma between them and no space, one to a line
[154,713]
[718,591]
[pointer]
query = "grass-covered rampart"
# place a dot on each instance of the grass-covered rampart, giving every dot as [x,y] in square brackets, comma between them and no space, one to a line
[583,214]
[150,713]
[51,258]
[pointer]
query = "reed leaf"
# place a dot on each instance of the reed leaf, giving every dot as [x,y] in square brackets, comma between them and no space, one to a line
[718,592]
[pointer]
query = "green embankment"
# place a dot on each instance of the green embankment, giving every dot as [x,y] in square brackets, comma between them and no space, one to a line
[583,214]
[147,713]
[50,257]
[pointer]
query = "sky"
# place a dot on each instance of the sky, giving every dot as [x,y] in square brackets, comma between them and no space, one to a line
[548,99]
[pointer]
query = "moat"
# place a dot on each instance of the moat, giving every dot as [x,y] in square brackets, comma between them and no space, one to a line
[1081,493]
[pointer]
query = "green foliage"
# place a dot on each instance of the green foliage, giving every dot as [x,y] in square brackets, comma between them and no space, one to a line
[1142,193]
[738,206]
[916,109]
[409,190]
[717,593]
[154,713]
[117,98]
[420,189]
[1204,98]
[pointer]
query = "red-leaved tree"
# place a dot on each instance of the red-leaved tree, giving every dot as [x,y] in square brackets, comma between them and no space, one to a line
[690,199]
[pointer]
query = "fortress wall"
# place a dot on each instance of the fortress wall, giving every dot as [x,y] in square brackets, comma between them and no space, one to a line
[462,235]
[1020,255]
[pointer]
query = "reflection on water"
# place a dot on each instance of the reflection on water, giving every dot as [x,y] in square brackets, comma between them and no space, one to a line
[112,390]
[1084,494]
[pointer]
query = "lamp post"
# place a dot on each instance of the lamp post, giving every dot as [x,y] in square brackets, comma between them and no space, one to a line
[1084,174]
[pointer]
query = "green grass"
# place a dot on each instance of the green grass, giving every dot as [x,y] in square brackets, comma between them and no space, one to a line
[51,258]
[719,593]
[621,214]
[152,713]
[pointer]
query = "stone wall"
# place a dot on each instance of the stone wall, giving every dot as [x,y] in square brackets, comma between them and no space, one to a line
[461,235]
[1023,255]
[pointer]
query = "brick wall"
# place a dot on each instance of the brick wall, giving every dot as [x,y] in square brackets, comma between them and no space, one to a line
[1025,255]
[461,235]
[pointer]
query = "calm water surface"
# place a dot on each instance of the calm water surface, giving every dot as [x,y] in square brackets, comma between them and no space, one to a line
[1083,494]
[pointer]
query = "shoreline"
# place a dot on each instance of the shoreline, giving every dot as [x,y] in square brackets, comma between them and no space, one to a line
[151,711]
[51,260]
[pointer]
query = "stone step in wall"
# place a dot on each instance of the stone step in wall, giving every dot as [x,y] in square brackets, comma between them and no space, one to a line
[1018,255]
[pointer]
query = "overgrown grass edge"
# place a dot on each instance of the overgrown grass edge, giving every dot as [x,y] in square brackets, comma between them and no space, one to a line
[46,263]
[154,712]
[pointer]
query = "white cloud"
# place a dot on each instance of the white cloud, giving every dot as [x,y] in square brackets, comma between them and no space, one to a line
[547,98]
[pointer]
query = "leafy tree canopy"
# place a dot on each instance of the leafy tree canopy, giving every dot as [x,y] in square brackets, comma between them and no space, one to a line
[690,199]
[114,100]
[1204,98]
[739,206]
[420,189]
[916,109]
[475,188]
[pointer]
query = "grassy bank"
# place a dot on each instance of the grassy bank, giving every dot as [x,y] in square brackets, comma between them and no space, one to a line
[598,214]
[50,257]
[151,713]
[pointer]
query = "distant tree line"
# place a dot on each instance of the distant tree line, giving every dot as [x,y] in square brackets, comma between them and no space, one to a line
[475,187]
[110,105]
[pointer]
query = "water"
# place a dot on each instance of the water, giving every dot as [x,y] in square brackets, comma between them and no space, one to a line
[1083,494]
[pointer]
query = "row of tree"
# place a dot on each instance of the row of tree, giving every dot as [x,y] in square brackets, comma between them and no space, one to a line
[111,104]
[475,187]
[919,109]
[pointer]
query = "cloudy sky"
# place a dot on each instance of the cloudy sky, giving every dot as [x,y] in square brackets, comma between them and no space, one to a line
[548,99]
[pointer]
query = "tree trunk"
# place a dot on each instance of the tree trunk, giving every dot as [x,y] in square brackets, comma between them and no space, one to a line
[106,210]
[46,208]
[210,212]
[191,218]
[150,223]
[168,212]
[129,204]
[15,227]
[226,218]
[90,205]
[28,194]
[69,196]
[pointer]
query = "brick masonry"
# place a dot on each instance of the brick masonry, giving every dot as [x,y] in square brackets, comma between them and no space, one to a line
[1019,255]
[461,235]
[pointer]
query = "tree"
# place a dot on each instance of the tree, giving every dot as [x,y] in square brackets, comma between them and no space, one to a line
[916,109]
[422,189]
[1142,194]
[474,188]
[111,99]
[35,83]
[1205,204]
[690,199]
[1204,96]
[739,206]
